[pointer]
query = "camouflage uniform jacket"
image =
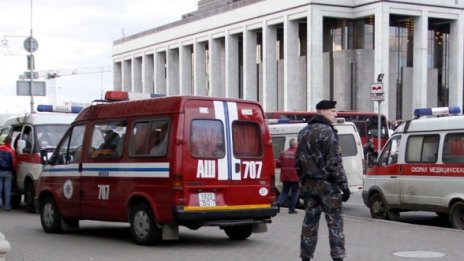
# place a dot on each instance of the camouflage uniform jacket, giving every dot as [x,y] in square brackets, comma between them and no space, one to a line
[318,155]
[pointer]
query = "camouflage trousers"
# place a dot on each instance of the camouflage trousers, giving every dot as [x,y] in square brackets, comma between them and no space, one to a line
[322,196]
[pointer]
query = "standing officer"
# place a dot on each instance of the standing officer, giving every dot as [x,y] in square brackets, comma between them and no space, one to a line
[319,164]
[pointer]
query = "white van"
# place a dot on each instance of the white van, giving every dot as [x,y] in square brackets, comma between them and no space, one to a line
[350,143]
[35,136]
[421,168]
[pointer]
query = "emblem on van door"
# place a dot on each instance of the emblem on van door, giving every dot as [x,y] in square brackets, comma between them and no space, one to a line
[68,189]
[263,191]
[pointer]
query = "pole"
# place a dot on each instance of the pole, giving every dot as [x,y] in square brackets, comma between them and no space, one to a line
[31,66]
[379,147]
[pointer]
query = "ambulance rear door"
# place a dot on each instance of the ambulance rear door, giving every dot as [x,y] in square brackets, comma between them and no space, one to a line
[228,160]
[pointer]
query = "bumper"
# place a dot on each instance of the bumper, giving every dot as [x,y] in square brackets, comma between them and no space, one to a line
[226,217]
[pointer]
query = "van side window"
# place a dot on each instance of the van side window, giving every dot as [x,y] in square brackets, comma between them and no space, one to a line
[422,148]
[108,140]
[149,138]
[453,148]
[207,139]
[70,149]
[247,139]
[389,154]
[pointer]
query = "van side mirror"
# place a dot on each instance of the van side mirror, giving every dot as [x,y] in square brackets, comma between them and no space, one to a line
[44,156]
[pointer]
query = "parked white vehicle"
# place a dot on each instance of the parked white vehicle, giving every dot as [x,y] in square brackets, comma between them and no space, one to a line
[350,143]
[421,168]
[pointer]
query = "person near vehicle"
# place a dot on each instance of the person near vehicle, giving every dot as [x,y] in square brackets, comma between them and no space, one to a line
[7,167]
[319,165]
[288,176]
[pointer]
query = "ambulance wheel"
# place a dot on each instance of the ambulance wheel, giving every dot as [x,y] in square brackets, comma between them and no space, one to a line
[377,207]
[457,215]
[29,198]
[50,216]
[144,229]
[238,232]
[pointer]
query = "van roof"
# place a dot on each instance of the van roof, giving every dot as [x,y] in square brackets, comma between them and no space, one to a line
[432,124]
[42,118]
[296,127]
[171,104]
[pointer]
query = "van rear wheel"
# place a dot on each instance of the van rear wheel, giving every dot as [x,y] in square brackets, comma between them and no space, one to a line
[377,207]
[238,232]
[144,229]
[457,215]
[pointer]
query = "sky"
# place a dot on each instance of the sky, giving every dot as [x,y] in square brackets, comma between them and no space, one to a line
[72,35]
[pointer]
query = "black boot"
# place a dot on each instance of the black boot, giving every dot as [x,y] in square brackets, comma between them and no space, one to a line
[305,259]
[338,259]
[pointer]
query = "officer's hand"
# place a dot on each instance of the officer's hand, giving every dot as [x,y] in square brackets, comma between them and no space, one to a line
[345,192]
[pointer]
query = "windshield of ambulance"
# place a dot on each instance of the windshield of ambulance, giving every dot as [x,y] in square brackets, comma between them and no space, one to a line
[50,134]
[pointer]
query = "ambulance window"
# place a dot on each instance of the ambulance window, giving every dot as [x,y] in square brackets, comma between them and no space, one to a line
[347,145]
[422,148]
[70,149]
[453,148]
[278,145]
[389,154]
[207,139]
[247,139]
[150,138]
[108,140]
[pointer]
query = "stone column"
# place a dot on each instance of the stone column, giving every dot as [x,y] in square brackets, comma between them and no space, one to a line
[381,54]
[185,69]
[269,68]
[456,67]
[290,88]
[250,87]
[419,86]
[231,66]
[314,89]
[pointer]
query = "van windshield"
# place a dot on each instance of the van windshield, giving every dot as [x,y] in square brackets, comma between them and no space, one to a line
[49,135]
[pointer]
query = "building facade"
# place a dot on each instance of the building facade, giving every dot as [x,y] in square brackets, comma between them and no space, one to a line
[290,54]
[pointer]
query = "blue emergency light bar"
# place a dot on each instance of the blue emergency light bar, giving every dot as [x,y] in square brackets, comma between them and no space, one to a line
[56,108]
[438,111]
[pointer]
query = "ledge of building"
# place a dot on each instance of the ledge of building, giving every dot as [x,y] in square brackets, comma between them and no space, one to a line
[203,12]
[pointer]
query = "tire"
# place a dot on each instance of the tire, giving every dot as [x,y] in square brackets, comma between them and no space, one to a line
[377,207]
[457,215]
[144,229]
[238,232]
[50,216]
[29,195]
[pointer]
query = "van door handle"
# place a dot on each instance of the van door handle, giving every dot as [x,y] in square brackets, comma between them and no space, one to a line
[393,177]
[237,167]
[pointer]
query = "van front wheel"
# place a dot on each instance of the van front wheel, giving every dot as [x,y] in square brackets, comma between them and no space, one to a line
[377,207]
[238,232]
[143,226]
[457,215]
[50,216]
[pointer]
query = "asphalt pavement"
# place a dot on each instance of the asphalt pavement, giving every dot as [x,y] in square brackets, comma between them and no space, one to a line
[366,239]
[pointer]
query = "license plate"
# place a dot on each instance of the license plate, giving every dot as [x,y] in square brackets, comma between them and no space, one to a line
[207,199]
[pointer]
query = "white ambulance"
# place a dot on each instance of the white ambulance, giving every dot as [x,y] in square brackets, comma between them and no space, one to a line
[421,168]
[35,136]
[350,146]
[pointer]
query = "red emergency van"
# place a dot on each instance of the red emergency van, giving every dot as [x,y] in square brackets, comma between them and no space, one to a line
[160,163]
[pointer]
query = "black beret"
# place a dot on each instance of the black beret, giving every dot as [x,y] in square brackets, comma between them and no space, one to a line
[325,104]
